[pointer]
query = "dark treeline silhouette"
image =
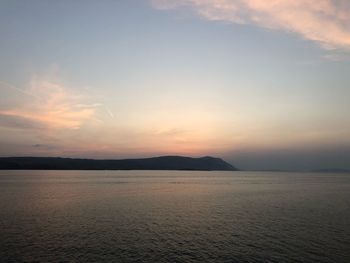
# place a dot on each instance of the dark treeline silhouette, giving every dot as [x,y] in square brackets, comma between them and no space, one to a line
[155,163]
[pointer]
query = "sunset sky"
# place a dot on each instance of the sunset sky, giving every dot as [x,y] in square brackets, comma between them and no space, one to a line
[262,84]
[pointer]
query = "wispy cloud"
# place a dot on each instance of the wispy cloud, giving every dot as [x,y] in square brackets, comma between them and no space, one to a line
[324,21]
[18,122]
[49,106]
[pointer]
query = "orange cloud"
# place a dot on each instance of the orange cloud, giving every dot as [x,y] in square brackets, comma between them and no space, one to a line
[51,106]
[324,21]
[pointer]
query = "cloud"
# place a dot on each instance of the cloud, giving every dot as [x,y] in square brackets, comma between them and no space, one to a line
[324,21]
[44,146]
[18,122]
[49,106]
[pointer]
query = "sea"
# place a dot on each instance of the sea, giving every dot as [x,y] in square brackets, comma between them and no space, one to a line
[174,216]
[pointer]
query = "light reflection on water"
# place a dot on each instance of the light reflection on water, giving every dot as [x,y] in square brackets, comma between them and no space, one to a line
[174,216]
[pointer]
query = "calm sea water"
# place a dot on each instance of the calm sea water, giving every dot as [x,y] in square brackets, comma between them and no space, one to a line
[171,216]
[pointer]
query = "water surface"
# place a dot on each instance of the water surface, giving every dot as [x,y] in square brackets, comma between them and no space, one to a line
[174,216]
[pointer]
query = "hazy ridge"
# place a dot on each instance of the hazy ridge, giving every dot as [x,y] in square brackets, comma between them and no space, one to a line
[155,163]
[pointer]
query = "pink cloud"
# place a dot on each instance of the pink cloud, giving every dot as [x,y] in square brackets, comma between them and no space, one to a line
[51,106]
[324,21]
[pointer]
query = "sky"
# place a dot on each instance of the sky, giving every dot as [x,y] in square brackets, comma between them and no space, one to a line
[262,84]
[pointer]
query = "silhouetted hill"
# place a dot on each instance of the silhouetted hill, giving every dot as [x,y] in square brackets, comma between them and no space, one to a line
[155,163]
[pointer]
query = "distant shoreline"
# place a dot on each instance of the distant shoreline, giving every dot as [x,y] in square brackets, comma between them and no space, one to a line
[171,163]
